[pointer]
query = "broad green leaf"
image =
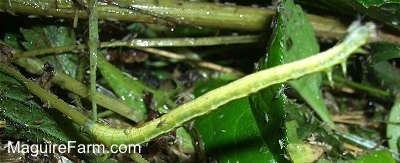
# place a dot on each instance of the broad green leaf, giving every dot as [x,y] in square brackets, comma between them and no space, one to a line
[376,156]
[128,90]
[292,39]
[26,119]
[52,36]
[393,127]
[297,42]
[267,105]
[230,133]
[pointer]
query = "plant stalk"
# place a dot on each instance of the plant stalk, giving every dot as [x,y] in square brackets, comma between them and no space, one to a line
[93,44]
[146,43]
[198,14]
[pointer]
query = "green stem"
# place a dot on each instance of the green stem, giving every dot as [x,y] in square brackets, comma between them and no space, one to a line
[373,91]
[105,114]
[195,13]
[163,42]
[93,44]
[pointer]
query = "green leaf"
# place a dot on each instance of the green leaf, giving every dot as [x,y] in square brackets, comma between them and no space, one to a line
[293,39]
[297,42]
[268,104]
[393,127]
[52,36]
[230,133]
[376,156]
[26,119]
[128,90]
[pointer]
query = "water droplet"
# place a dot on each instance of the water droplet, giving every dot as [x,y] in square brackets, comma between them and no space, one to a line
[191,41]
[263,148]
[165,107]
[142,43]
[256,66]
[282,44]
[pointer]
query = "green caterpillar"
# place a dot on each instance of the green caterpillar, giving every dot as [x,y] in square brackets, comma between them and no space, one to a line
[324,61]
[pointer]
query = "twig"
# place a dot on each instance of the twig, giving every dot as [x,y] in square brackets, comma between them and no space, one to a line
[371,90]
[160,42]
[203,64]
